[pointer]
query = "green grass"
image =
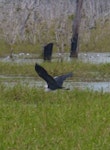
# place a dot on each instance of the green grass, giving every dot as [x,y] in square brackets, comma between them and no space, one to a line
[24,47]
[31,119]
[82,71]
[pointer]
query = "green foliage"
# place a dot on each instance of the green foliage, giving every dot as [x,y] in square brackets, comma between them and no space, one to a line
[32,119]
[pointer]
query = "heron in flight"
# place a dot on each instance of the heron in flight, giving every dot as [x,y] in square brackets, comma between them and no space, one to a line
[53,83]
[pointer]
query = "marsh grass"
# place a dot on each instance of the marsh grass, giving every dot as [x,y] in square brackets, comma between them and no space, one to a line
[23,47]
[32,119]
[81,71]
[97,39]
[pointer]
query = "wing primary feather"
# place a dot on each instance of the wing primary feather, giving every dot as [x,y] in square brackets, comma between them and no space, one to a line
[52,84]
[60,79]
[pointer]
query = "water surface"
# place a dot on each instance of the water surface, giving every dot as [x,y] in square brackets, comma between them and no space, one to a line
[91,57]
[95,58]
[33,82]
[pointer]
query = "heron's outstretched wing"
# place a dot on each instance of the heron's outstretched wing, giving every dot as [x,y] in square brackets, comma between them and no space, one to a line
[60,79]
[52,84]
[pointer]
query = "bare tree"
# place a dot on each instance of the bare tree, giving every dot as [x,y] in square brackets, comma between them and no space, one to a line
[29,19]
[33,20]
[20,22]
[10,28]
[75,30]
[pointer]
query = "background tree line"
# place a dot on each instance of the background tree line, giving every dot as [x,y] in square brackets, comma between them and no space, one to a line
[39,21]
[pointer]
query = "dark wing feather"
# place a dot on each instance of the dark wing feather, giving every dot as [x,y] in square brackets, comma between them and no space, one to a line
[60,79]
[41,72]
[52,84]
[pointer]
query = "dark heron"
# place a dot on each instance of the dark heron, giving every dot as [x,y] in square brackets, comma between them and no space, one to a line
[53,83]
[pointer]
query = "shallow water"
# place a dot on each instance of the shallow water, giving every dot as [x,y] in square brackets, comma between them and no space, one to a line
[32,82]
[94,86]
[95,58]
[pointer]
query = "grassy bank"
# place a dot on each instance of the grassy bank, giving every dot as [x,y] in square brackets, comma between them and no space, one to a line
[32,119]
[81,71]
[24,47]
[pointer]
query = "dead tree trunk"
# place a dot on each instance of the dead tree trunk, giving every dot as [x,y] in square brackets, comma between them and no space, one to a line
[75,29]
